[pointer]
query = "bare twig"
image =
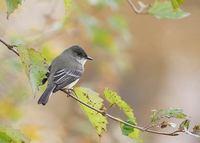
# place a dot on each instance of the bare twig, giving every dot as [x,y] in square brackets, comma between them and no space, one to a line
[139,10]
[191,134]
[10,47]
[149,126]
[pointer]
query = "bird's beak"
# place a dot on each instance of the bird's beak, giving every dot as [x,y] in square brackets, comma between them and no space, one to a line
[89,58]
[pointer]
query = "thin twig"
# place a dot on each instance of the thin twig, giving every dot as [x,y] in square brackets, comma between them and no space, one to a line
[149,126]
[191,134]
[10,47]
[139,10]
[99,111]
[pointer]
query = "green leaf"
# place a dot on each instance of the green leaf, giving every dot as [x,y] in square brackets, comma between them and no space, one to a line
[130,132]
[10,135]
[165,10]
[35,66]
[114,99]
[92,98]
[167,113]
[184,125]
[176,3]
[12,5]
[126,130]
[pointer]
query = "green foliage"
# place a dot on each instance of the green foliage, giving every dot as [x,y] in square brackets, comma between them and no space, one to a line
[34,64]
[166,10]
[131,132]
[10,135]
[184,125]
[196,130]
[12,5]
[167,113]
[176,3]
[126,130]
[92,98]
[114,99]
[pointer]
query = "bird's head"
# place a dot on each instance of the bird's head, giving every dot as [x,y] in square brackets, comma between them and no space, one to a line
[78,53]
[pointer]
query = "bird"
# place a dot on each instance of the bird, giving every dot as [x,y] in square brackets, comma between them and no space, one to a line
[64,71]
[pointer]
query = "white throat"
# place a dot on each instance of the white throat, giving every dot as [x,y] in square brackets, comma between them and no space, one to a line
[81,61]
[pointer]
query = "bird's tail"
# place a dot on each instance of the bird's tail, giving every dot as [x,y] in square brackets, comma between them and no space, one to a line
[45,96]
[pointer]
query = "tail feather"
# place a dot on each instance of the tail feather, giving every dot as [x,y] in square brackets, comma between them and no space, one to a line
[45,96]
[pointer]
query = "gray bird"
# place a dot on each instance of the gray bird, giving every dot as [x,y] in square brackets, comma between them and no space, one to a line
[64,71]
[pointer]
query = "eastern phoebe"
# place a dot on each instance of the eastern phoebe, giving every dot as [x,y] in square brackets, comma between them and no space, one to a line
[64,71]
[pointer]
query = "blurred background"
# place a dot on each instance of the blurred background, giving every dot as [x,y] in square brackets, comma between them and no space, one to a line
[151,63]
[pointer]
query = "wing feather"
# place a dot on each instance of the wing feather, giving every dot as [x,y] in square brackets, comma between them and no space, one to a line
[66,76]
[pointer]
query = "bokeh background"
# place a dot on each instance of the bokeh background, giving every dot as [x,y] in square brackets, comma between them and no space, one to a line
[151,63]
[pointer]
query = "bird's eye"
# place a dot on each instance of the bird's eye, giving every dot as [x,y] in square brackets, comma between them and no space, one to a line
[79,54]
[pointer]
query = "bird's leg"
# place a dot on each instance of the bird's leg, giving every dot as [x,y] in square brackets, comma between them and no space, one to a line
[68,92]
[72,91]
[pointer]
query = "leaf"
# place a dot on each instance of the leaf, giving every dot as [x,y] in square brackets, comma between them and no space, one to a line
[12,5]
[35,66]
[114,99]
[126,130]
[165,10]
[176,3]
[165,124]
[196,130]
[130,131]
[92,98]
[184,125]
[10,135]
[167,113]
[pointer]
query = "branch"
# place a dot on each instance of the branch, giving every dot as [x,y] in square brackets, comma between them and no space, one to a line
[10,47]
[136,10]
[143,129]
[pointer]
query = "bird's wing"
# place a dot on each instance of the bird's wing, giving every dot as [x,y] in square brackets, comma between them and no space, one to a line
[64,77]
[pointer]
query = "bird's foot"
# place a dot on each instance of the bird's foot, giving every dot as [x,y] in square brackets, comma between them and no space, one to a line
[68,92]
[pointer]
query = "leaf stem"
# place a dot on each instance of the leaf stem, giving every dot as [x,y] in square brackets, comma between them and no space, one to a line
[10,47]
